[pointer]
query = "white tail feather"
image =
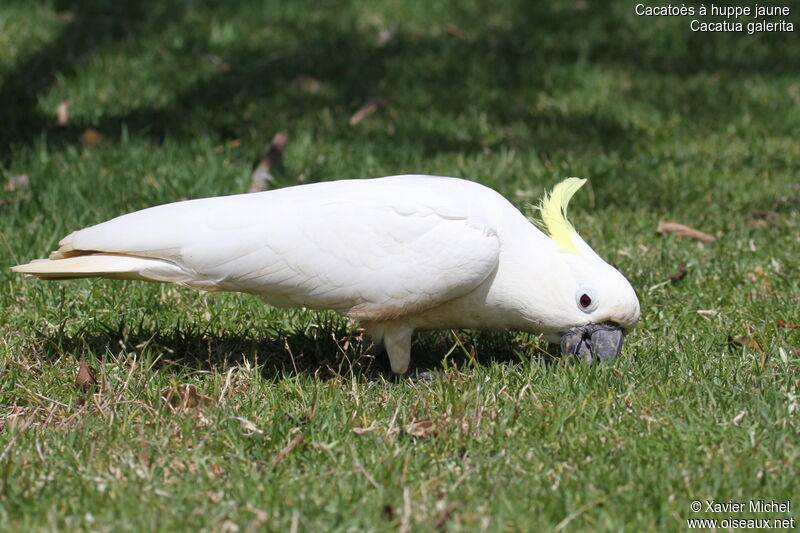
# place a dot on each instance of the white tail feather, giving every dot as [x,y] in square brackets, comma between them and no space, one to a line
[105,266]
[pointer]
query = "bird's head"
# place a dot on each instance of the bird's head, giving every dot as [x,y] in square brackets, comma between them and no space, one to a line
[593,305]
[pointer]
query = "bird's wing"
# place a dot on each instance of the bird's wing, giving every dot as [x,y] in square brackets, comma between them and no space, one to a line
[373,253]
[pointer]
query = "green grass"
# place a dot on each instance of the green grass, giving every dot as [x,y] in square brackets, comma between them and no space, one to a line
[286,426]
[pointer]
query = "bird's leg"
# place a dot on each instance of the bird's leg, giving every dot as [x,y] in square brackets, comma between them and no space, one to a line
[397,341]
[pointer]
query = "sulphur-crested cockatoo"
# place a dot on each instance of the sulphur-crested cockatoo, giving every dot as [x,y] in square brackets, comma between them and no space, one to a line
[399,254]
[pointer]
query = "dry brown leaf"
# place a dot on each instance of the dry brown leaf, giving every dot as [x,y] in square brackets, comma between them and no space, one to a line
[680,274]
[685,231]
[91,137]
[184,396]
[85,379]
[762,218]
[248,426]
[385,35]
[18,183]
[707,312]
[421,428]
[455,31]
[219,64]
[14,418]
[783,324]
[370,106]
[261,178]
[369,429]
[747,341]
[308,84]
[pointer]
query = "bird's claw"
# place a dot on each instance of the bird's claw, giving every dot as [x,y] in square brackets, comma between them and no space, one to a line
[417,374]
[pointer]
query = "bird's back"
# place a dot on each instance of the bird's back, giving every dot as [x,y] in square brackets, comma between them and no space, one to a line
[373,249]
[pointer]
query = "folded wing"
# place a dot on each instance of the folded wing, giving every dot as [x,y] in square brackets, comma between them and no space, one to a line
[370,249]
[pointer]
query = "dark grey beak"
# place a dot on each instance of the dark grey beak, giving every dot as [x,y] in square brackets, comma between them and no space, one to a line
[593,341]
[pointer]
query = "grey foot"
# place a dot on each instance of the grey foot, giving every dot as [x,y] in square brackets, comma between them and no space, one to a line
[413,373]
[417,374]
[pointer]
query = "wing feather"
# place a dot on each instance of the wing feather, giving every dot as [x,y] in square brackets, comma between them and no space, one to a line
[370,249]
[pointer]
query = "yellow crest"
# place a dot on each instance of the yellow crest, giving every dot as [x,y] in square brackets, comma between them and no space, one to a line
[553,209]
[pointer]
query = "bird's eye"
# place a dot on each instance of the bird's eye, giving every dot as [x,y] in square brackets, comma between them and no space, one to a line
[586,300]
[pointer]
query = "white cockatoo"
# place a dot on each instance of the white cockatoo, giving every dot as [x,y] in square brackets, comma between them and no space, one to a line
[398,254]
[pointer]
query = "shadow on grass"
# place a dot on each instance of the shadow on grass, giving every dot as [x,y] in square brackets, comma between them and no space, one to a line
[91,26]
[499,63]
[332,353]
[418,73]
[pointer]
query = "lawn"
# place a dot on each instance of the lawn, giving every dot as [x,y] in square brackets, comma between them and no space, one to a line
[214,412]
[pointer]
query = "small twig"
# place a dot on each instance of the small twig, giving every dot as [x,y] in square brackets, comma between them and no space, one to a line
[367,475]
[309,416]
[41,396]
[11,443]
[462,478]
[580,510]
[291,354]
[225,385]
[294,443]
[370,106]
[405,523]
[248,425]
[62,113]
[680,274]
[390,430]
[685,231]
[444,514]
[18,183]
[707,312]
[220,64]
[473,361]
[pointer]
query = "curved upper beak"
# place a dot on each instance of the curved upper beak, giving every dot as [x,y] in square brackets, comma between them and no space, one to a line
[593,341]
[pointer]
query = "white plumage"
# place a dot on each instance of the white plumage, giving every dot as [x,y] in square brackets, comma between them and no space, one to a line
[399,254]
